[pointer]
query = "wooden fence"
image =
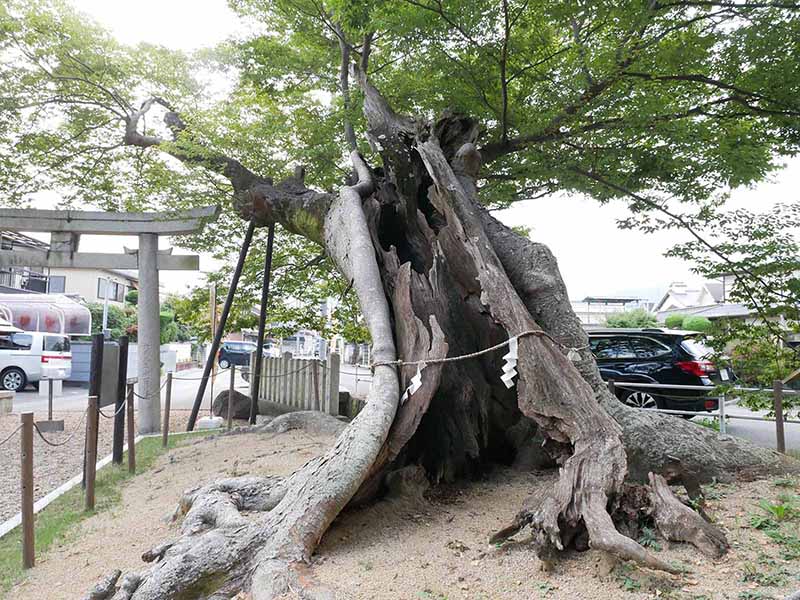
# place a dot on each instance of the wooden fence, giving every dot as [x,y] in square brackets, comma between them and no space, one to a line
[289,384]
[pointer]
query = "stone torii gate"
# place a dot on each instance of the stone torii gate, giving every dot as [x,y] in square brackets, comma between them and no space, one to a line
[66,227]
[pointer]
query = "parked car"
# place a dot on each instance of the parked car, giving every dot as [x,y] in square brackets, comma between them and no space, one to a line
[30,356]
[652,356]
[235,353]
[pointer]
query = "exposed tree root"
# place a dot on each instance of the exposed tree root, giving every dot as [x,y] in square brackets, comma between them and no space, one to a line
[677,522]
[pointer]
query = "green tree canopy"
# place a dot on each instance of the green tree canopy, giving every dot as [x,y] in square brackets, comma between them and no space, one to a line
[665,105]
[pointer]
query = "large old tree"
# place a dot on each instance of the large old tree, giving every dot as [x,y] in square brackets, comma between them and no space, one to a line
[413,118]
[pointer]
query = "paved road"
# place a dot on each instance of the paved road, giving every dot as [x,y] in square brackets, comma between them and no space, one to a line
[356,380]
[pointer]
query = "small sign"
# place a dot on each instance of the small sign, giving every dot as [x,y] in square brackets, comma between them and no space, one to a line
[723,374]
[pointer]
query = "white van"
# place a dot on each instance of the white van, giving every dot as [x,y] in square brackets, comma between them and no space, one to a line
[30,356]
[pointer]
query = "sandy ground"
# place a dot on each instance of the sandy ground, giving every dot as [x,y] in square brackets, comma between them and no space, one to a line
[52,466]
[435,550]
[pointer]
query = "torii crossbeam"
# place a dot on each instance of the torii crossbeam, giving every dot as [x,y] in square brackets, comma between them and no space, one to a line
[66,227]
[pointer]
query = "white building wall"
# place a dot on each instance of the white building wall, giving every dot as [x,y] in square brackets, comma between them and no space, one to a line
[83,282]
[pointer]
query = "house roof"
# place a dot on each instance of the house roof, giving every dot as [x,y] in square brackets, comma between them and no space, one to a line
[20,240]
[610,299]
[689,297]
[714,311]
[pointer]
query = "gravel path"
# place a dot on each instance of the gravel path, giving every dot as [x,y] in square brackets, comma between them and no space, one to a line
[52,466]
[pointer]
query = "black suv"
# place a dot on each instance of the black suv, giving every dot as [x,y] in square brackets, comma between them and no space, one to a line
[235,353]
[654,355]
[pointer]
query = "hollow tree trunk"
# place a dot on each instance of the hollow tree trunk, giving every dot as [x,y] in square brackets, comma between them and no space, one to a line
[436,276]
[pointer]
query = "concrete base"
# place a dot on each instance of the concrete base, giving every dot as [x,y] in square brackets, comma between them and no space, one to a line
[209,423]
[46,426]
[44,386]
[6,402]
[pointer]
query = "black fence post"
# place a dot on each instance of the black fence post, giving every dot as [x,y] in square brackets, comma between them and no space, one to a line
[95,381]
[119,414]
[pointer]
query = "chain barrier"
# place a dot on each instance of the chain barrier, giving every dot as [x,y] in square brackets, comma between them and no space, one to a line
[119,410]
[11,435]
[303,368]
[66,441]
[154,395]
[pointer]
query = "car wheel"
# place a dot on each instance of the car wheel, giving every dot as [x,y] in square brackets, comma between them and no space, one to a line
[13,380]
[640,399]
[224,363]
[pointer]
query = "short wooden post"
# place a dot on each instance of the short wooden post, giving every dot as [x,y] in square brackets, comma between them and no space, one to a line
[131,434]
[167,403]
[230,397]
[612,387]
[315,382]
[777,397]
[91,452]
[332,393]
[26,474]
[284,396]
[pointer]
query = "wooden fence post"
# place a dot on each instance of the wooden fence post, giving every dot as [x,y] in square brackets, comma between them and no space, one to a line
[777,397]
[167,403]
[332,393]
[131,434]
[284,396]
[91,452]
[315,382]
[230,396]
[26,475]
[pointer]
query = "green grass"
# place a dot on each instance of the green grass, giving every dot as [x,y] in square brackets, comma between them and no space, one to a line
[57,522]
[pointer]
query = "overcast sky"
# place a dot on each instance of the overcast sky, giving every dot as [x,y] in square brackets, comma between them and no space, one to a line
[596,258]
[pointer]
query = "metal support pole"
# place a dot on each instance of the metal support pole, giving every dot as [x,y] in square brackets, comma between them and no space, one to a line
[262,320]
[119,413]
[230,397]
[167,403]
[49,399]
[777,396]
[723,426]
[26,481]
[201,390]
[131,434]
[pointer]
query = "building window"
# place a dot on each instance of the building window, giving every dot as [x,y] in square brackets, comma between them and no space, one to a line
[116,291]
[56,284]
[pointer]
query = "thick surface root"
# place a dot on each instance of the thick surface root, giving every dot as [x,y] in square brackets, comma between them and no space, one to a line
[677,522]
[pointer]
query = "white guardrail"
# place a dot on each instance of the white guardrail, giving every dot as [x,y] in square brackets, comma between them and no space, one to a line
[777,392]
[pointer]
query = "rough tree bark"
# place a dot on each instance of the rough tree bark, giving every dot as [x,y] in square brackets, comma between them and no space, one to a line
[437,276]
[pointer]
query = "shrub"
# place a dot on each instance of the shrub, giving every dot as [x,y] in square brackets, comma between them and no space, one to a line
[701,324]
[638,317]
[675,321]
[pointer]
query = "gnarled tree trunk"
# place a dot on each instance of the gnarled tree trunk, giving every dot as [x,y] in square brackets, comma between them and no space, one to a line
[437,276]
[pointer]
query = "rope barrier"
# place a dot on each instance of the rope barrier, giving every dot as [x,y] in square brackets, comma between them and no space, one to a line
[447,359]
[66,441]
[11,435]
